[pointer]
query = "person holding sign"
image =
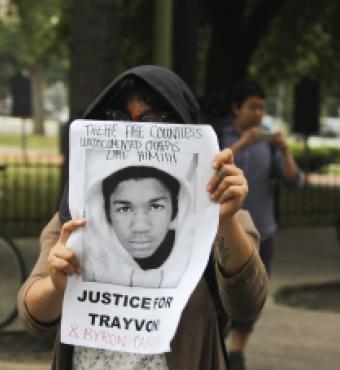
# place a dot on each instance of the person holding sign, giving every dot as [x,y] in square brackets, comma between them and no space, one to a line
[154,94]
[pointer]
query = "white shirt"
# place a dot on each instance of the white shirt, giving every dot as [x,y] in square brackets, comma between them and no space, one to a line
[86,358]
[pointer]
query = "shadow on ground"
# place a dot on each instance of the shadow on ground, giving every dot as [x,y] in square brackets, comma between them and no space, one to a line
[21,346]
[320,297]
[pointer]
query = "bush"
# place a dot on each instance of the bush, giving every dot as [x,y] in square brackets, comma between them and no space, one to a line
[29,194]
[315,159]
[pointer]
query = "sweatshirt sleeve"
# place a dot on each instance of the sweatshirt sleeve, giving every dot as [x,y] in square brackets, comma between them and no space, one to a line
[48,238]
[243,294]
[290,182]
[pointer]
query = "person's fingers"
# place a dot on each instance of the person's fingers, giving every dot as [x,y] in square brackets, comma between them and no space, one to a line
[68,228]
[279,134]
[228,185]
[56,264]
[255,133]
[279,137]
[226,182]
[235,193]
[230,170]
[219,164]
[69,256]
[223,157]
[224,171]
[60,253]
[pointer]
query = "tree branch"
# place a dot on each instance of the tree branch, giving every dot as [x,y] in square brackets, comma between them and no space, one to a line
[259,20]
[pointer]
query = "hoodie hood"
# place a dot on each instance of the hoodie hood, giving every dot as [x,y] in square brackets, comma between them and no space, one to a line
[163,81]
[111,263]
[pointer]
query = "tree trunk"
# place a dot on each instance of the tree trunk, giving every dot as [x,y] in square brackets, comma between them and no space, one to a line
[93,54]
[93,39]
[163,33]
[185,40]
[37,101]
[237,29]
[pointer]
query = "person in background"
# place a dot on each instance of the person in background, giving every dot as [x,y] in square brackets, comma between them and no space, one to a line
[264,157]
[238,270]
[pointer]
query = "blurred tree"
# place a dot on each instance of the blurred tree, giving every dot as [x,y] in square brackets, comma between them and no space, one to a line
[136,33]
[163,34]
[276,41]
[36,26]
[94,35]
[237,28]
[185,40]
[215,43]
[106,39]
[304,40]
[9,47]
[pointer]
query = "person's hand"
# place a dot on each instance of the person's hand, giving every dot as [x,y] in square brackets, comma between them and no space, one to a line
[251,136]
[227,186]
[62,262]
[280,142]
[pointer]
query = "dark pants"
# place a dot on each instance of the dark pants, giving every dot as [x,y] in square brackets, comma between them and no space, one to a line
[266,254]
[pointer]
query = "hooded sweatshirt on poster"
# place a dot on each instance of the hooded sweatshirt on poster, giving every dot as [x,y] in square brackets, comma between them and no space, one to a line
[107,261]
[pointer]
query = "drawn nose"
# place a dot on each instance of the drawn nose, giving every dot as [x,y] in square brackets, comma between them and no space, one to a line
[140,222]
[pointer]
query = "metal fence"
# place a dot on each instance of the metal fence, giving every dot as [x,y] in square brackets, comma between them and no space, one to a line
[316,203]
[29,192]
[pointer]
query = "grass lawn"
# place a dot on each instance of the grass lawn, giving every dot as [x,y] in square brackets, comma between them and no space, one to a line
[309,206]
[28,197]
[35,142]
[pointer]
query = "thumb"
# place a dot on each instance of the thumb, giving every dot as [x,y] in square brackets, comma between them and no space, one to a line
[68,228]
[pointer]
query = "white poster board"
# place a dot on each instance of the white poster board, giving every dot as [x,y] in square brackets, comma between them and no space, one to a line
[149,229]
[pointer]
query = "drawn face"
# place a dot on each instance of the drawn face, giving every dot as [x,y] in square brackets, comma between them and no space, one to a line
[141,211]
[250,112]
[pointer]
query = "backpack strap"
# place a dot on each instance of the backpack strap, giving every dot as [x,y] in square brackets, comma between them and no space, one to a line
[274,180]
[272,149]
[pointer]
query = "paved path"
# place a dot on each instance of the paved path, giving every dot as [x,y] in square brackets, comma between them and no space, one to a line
[285,338]
[13,125]
[295,339]
[292,338]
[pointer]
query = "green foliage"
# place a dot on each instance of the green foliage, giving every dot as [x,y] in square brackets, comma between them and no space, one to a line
[35,142]
[28,197]
[38,24]
[10,52]
[309,206]
[34,33]
[136,21]
[315,159]
[303,40]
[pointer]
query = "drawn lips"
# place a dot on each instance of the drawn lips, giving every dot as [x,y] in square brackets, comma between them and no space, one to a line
[141,242]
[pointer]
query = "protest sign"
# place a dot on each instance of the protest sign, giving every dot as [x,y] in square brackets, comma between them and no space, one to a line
[148,234]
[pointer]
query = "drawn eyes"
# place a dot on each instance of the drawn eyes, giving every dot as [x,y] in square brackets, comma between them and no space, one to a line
[123,209]
[156,207]
[127,209]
